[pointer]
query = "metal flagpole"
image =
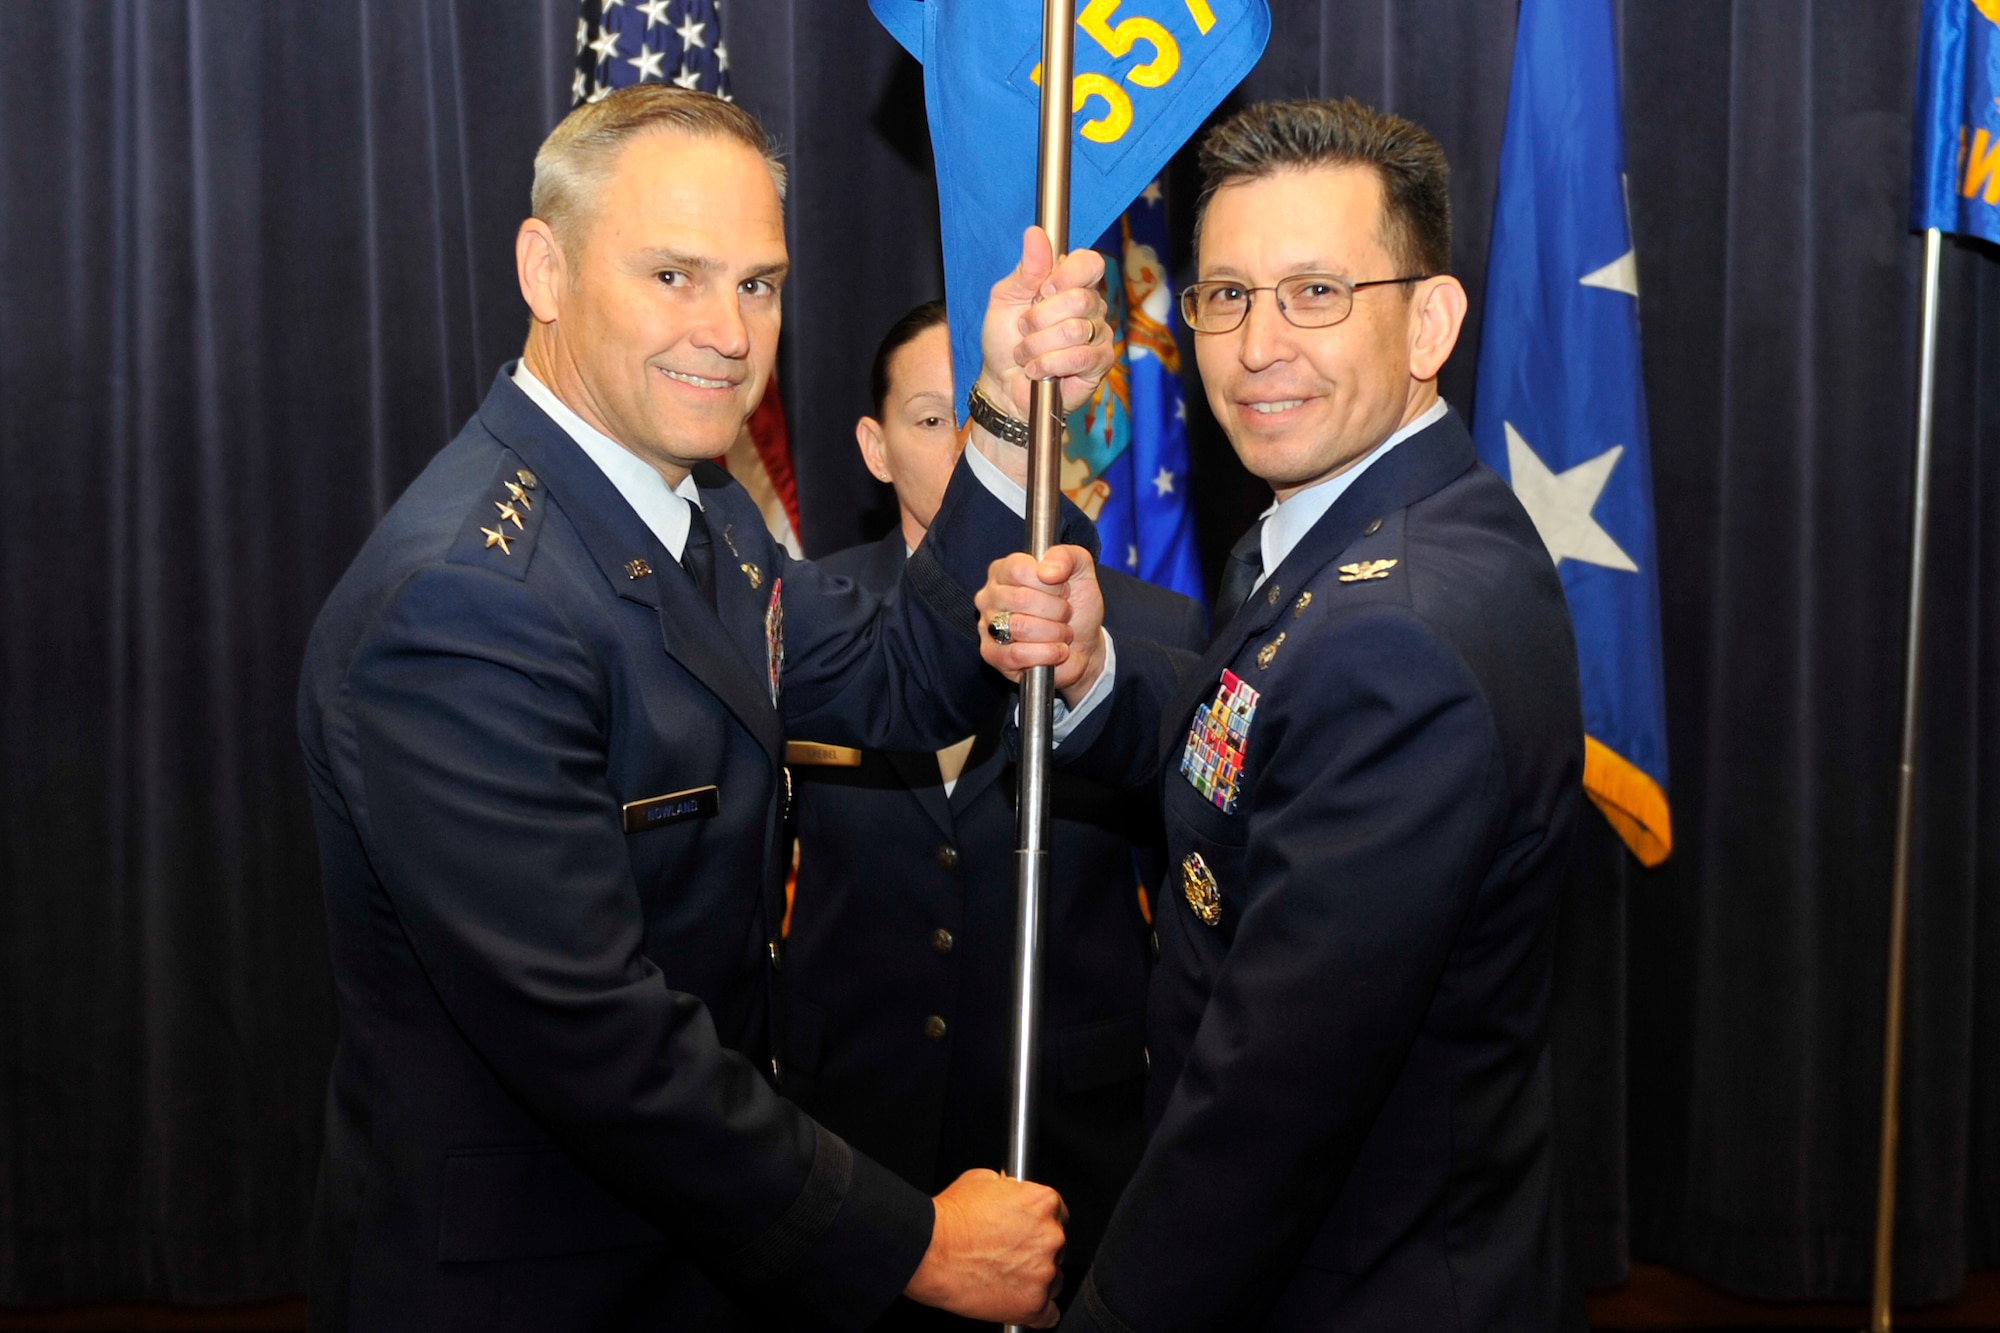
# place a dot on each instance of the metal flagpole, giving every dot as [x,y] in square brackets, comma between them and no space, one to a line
[1037,687]
[1906,780]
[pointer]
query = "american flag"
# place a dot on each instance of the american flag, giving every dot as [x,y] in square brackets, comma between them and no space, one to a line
[623,42]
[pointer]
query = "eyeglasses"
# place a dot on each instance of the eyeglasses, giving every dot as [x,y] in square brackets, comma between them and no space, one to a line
[1306,300]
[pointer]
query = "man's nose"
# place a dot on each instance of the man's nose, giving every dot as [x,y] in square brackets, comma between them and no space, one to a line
[1267,334]
[722,328]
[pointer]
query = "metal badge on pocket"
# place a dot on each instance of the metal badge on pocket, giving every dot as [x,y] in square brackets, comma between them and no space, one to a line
[1203,894]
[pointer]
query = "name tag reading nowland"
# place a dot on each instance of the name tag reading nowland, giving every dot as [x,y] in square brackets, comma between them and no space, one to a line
[654,811]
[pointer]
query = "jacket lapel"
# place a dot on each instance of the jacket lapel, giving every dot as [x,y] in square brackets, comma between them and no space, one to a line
[615,535]
[1416,468]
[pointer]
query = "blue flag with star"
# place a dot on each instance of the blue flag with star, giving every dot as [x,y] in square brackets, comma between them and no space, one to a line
[1955,168]
[1560,404]
[1147,74]
[1126,460]
[623,42]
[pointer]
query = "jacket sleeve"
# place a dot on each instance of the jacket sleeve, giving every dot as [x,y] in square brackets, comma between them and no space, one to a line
[903,672]
[474,766]
[1378,792]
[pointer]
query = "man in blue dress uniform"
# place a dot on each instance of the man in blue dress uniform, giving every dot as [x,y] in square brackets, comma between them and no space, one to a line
[1369,783]
[899,959]
[544,717]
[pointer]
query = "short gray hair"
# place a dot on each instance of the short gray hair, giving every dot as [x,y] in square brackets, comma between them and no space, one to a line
[1306,134]
[576,157]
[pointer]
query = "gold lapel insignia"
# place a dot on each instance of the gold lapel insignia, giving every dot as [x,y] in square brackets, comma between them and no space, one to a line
[509,514]
[1268,652]
[1299,607]
[1273,594]
[637,569]
[1203,895]
[1364,570]
[527,478]
[520,495]
[497,537]
[756,575]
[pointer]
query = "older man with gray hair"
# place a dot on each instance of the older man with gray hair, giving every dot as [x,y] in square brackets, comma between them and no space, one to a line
[544,716]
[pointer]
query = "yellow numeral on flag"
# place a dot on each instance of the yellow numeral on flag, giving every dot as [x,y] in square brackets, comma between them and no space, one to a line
[1095,21]
[1117,118]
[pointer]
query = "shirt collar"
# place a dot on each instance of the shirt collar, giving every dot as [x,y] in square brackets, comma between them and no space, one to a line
[1287,522]
[663,509]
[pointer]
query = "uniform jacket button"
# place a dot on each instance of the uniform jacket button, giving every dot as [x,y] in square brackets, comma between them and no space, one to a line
[947,856]
[777,958]
[774,1067]
[1147,1052]
[935,1028]
[941,940]
[1155,945]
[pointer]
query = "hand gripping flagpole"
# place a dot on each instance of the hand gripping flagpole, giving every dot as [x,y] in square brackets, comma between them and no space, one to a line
[1037,686]
[1906,783]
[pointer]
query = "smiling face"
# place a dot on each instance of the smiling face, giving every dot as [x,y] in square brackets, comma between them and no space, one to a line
[1303,405]
[658,322]
[915,443]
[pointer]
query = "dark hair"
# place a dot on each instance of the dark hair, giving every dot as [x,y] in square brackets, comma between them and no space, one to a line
[1271,137]
[900,335]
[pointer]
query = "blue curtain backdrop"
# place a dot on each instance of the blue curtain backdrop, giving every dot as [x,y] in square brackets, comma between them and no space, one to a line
[255,267]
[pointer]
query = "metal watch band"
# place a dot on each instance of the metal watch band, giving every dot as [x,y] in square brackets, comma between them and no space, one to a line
[1009,428]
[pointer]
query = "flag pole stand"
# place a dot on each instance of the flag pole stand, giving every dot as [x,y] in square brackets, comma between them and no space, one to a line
[1038,685]
[1906,779]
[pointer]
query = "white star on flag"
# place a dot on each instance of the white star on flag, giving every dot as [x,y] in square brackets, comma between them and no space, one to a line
[722,58]
[655,12]
[582,34]
[1560,503]
[688,78]
[579,87]
[606,44]
[1622,273]
[1132,556]
[647,62]
[1151,194]
[690,32]
[1164,483]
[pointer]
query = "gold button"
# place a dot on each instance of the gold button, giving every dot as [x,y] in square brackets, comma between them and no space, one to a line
[1374,526]
[777,959]
[1156,946]
[946,856]
[935,1028]
[941,940]
[774,1066]
[1147,1052]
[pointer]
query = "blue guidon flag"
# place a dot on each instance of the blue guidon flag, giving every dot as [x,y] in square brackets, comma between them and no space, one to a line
[1147,74]
[1955,168]
[1561,407]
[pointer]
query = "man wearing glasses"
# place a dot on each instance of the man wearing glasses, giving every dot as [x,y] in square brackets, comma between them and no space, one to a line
[1369,783]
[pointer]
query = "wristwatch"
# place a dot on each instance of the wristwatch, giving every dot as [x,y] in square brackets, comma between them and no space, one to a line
[1009,428]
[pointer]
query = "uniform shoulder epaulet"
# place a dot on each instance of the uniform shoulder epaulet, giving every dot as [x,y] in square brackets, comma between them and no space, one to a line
[503,521]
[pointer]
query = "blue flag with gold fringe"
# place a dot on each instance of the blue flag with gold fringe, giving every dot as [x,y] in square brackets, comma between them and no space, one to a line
[1147,74]
[1561,406]
[1955,170]
[1125,462]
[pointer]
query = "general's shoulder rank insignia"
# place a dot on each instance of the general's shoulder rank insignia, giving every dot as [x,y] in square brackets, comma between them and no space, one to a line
[1212,760]
[1364,570]
[1203,894]
[774,638]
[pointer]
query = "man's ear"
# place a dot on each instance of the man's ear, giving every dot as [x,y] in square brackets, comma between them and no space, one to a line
[874,449]
[540,266]
[1436,315]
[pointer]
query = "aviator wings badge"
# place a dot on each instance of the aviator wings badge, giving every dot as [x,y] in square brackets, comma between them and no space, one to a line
[1364,570]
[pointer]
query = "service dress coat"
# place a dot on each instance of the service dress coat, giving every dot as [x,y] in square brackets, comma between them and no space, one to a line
[899,960]
[549,789]
[1350,1099]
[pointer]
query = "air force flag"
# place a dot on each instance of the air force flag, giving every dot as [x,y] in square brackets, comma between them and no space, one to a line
[1560,406]
[1955,170]
[1147,74]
